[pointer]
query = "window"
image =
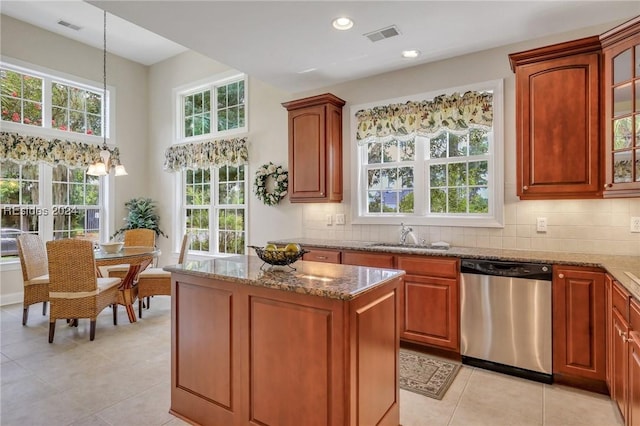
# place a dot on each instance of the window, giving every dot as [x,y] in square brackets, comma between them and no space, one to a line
[215,209]
[73,210]
[431,160]
[58,201]
[39,99]
[76,208]
[228,114]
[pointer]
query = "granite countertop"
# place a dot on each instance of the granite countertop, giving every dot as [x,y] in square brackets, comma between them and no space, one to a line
[617,266]
[328,280]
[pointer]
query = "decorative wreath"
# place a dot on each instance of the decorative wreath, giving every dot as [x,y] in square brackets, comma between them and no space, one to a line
[281,182]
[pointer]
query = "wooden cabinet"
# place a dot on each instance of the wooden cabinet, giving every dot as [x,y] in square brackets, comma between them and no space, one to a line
[621,87]
[430,302]
[579,346]
[634,365]
[315,149]
[376,260]
[557,120]
[624,363]
[251,355]
[321,255]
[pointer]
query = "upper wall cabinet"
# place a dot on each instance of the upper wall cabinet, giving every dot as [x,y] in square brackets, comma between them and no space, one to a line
[315,149]
[557,120]
[621,86]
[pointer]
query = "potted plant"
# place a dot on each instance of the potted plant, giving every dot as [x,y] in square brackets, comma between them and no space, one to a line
[142,214]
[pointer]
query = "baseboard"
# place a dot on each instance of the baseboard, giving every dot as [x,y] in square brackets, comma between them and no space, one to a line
[11,298]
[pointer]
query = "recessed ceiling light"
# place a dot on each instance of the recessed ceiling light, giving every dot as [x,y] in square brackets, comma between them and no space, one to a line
[342,23]
[410,54]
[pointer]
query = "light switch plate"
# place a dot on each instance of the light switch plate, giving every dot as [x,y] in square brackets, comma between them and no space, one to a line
[329,220]
[635,224]
[340,219]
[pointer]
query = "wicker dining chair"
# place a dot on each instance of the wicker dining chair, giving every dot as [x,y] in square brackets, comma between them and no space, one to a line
[74,290]
[35,273]
[156,281]
[140,237]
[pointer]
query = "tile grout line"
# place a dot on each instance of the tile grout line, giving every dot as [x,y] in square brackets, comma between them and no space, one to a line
[464,388]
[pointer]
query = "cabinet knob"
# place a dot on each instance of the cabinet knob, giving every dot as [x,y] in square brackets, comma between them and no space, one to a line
[524,188]
[560,275]
[608,185]
[322,193]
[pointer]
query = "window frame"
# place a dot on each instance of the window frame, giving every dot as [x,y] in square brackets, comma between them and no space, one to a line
[106,194]
[214,207]
[210,84]
[49,77]
[495,219]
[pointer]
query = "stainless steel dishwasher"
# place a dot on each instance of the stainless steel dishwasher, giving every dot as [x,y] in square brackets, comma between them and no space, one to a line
[505,324]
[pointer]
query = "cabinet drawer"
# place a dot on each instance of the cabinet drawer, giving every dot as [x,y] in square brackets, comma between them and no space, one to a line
[367,259]
[317,255]
[620,300]
[430,266]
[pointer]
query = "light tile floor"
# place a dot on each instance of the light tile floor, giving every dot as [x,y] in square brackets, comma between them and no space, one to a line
[123,378]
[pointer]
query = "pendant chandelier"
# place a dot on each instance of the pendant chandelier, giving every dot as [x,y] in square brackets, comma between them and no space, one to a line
[104,165]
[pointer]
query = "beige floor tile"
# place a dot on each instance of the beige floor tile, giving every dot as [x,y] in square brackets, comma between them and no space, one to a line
[495,399]
[564,406]
[148,408]
[56,409]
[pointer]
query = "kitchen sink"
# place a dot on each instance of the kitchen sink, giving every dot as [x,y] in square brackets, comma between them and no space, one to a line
[433,246]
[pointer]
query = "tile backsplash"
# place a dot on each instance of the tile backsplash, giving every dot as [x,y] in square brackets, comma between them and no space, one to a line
[580,226]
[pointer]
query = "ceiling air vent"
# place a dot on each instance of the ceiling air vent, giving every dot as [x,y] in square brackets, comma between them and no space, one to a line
[383,33]
[69,25]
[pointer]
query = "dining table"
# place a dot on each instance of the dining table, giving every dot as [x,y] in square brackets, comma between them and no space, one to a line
[138,258]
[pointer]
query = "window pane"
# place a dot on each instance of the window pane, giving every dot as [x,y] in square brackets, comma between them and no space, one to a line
[478,142]
[59,95]
[373,179]
[223,197]
[622,67]
[197,103]
[406,176]
[457,174]
[76,99]
[222,97]
[32,114]
[438,175]
[232,94]
[479,200]
[94,105]
[389,178]
[222,120]
[457,200]
[622,167]
[390,152]
[389,201]
[407,150]
[438,146]
[374,153]
[622,133]
[478,173]
[458,145]
[188,105]
[622,100]
[406,201]
[374,205]
[438,201]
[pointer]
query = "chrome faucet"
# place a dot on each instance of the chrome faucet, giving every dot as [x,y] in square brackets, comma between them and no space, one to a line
[404,232]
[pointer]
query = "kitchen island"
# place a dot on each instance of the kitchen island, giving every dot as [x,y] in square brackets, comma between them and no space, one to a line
[314,346]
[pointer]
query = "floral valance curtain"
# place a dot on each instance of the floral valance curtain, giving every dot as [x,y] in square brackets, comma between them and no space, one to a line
[25,149]
[455,113]
[200,155]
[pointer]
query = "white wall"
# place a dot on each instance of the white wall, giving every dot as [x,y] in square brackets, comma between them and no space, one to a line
[267,137]
[590,226]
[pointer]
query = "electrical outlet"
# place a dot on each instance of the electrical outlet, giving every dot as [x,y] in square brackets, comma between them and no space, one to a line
[329,220]
[541,224]
[635,224]
[340,219]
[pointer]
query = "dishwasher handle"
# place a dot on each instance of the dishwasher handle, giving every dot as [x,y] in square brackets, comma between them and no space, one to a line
[539,271]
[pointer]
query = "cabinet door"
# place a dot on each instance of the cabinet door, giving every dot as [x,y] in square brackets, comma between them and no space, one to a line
[579,324]
[634,379]
[307,153]
[620,361]
[621,52]
[558,128]
[431,311]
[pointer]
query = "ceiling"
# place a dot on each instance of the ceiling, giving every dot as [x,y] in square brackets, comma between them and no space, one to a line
[291,44]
